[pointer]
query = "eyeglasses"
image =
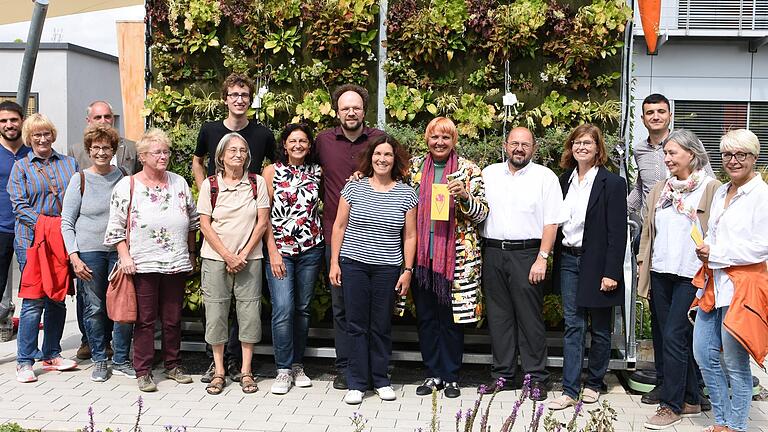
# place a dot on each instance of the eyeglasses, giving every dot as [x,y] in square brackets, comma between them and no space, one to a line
[582,143]
[516,144]
[233,151]
[40,135]
[740,156]
[97,149]
[158,153]
[236,96]
[350,109]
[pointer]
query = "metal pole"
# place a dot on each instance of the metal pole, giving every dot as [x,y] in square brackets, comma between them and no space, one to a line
[381,112]
[30,53]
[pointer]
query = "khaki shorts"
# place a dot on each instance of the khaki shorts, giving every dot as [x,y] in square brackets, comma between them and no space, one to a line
[219,287]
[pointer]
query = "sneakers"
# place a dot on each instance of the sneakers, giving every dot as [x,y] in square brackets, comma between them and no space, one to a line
[125,369]
[84,352]
[208,375]
[177,374]
[663,419]
[100,372]
[653,397]
[146,384]
[354,397]
[429,385]
[452,390]
[234,370]
[386,393]
[690,410]
[25,374]
[340,381]
[283,382]
[59,364]
[300,379]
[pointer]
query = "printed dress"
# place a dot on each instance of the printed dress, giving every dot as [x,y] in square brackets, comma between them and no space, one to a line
[295,215]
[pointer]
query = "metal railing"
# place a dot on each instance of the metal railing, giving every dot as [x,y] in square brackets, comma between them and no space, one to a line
[738,15]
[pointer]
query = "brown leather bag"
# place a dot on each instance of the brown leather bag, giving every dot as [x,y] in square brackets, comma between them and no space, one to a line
[121,294]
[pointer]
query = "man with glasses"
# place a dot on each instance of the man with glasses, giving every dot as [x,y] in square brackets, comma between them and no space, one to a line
[100,112]
[338,149]
[237,92]
[524,201]
[13,149]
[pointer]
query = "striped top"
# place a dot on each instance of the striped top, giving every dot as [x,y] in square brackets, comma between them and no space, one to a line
[376,220]
[30,192]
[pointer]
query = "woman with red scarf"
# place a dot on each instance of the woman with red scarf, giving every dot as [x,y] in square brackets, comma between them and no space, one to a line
[448,260]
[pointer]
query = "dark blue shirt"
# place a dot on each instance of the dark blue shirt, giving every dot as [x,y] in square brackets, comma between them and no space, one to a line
[7,160]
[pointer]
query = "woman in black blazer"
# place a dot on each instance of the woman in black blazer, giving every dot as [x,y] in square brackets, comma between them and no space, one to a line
[589,253]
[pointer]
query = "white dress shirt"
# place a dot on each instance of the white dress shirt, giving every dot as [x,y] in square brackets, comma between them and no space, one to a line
[673,250]
[575,207]
[738,234]
[520,204]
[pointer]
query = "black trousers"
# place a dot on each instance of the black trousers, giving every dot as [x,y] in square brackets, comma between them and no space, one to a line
[514,313]
[6,256]
[441,340]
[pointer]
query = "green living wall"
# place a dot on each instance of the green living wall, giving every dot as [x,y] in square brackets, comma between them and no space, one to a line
[444,57]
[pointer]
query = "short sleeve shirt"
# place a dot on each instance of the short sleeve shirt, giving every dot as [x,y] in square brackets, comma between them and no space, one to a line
[295,213]
[376,220]
[235,214]
[521,204]
[261,143]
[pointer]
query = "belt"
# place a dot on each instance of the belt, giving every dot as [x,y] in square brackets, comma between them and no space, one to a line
[512,244]
[572,250]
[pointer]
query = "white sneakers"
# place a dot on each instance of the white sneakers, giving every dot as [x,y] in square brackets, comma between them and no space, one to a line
[283,382]
[25,374]
[386,393]
[300,379]
[354,397]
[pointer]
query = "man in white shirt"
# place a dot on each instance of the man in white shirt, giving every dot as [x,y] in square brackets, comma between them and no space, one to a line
[525,202]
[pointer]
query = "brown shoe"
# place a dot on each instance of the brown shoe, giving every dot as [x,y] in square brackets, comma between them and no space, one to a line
[84,352]
[690,410]
[664,418]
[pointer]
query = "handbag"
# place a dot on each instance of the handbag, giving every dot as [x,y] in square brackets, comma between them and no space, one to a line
[121,294]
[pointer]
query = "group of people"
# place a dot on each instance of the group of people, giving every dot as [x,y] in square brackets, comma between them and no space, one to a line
[456,237]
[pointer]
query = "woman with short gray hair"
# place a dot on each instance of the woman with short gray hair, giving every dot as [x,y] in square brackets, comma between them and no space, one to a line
[676,209]
[234,212]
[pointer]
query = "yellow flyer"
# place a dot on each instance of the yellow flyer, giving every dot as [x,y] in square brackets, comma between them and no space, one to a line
[440,203]
[696,235]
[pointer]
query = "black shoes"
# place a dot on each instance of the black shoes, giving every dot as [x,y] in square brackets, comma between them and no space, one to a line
[706,405]
[653,397]
[492,387]
[542,391]
[234,370]
[452,390]
[429,385]
[340,382]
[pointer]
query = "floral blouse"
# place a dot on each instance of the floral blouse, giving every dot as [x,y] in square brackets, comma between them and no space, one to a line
[161,219]
[295,217]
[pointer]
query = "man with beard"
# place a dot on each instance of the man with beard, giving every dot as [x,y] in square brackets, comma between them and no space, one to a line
[13,149]
[338,149]
[237,92]
[524,201]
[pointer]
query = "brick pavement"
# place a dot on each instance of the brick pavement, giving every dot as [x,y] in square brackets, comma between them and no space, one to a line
[59,401]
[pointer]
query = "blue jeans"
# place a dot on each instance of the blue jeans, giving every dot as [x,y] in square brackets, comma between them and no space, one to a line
[369,295]
[93,296]
[29,322]
[291,297]
[708,336]
[672,296]
[575,331]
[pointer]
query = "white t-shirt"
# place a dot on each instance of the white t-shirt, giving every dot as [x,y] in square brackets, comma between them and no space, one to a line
[575,207]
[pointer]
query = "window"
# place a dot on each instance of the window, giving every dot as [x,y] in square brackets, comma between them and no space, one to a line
[32,106]
[711,120]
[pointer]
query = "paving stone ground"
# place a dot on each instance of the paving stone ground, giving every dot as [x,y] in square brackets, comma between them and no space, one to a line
[59,401]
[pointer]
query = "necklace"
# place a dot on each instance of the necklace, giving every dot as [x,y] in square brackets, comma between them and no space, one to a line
[154,184]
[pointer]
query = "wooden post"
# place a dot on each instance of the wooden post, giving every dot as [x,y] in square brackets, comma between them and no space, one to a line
[130,48]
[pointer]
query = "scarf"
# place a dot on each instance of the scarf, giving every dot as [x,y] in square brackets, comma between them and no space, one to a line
[437,275]
[674,191]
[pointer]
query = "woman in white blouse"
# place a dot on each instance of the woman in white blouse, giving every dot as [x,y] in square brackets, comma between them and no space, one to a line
[736,245]
[158,252]
[589,258]
[676,209]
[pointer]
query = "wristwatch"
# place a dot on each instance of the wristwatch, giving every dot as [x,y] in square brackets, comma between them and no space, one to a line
[543,254]
[408,269]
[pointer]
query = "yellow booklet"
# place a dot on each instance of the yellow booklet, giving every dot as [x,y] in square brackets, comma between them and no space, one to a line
[440,203]
[696,235]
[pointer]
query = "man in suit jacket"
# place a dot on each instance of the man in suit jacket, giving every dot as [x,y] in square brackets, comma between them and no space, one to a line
[125,156]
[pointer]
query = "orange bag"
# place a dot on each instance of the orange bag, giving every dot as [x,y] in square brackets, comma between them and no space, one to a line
[121,294]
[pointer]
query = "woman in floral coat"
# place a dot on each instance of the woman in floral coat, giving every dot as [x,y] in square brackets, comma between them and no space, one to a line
[448,260]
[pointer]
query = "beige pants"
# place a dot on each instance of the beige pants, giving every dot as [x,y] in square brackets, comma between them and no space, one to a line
[218,287]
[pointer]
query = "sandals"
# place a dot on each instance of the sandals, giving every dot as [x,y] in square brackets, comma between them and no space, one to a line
[248,384]
[716,428]
[589,396]
[217,384]
[562,402]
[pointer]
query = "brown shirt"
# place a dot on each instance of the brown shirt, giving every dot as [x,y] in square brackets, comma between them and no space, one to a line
[339,159]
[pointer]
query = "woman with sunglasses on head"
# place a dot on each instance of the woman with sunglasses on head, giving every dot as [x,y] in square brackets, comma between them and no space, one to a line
[734,252]
[294,241]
